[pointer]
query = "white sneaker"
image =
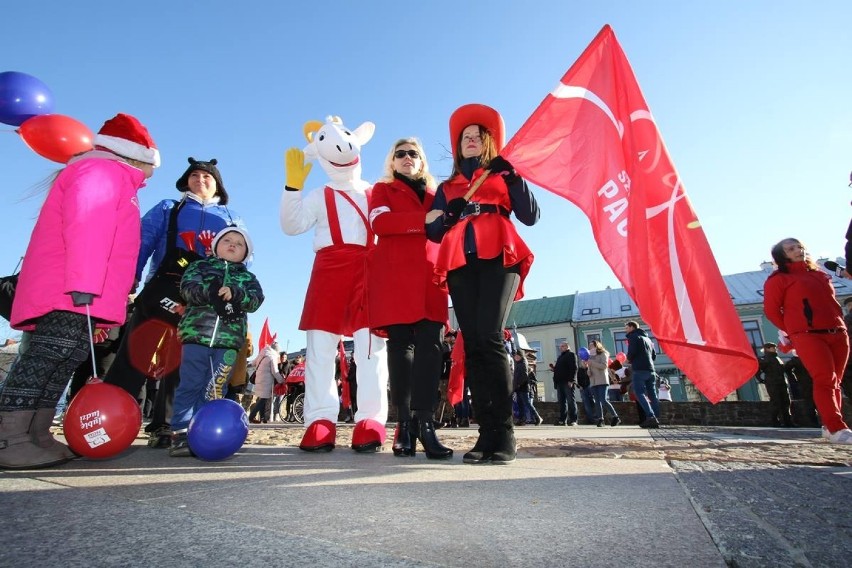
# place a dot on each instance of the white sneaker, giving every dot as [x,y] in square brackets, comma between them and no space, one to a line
[825,433]
[841,437]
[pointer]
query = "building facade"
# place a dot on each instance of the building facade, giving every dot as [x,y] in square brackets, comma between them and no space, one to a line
[586,316]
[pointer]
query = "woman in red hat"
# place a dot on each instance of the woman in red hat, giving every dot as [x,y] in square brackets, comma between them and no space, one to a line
[79,264]
[483,261]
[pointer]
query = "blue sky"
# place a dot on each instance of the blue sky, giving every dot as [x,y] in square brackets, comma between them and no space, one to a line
[752,99]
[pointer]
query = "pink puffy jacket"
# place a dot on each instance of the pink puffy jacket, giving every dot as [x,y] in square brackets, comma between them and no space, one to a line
[86,239]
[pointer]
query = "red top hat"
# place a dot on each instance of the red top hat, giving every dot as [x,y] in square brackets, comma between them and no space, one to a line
[482,115]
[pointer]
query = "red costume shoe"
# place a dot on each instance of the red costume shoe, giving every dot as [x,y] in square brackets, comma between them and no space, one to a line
[368,436]
[319,437]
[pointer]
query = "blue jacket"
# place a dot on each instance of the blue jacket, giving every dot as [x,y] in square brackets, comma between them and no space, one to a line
[194,216]
[640,351]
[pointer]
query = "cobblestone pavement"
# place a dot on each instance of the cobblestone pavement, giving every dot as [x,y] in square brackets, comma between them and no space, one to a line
[769,498]
[698,443]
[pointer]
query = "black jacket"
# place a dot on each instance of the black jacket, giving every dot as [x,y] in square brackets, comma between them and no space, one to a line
[773,369]
[583,377]
[640,351]
[565,369]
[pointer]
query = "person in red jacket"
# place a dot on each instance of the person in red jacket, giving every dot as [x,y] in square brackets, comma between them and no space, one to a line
[404,302]
[483,261]
[798,298]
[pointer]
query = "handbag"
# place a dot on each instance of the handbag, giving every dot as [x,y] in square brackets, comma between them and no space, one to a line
[8,285]
[161,296]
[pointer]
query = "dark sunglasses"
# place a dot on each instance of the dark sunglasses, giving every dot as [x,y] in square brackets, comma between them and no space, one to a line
[414,154]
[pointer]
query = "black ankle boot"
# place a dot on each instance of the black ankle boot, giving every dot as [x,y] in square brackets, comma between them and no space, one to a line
[432,447]
[482,451]
[504,446]
[404,440]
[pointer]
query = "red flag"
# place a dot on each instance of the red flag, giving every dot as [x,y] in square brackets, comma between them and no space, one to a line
[594,142]
[266,338]
[455,385]
[345,395]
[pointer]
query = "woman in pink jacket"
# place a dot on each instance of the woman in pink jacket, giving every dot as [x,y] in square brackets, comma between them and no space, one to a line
[81,259]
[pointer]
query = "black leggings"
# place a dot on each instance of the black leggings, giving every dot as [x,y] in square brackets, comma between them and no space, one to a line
[482,292]
[39,376]
[414,366]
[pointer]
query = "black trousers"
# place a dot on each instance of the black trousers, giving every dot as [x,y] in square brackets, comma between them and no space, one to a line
[415,361]
[130,369]
[482,292]
[779,401]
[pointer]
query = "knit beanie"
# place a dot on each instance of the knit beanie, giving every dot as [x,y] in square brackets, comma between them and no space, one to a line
[233,229]
[182,183]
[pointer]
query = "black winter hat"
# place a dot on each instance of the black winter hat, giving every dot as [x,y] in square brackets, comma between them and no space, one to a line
[182,184]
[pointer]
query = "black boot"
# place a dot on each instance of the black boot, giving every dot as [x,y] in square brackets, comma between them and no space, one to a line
[482,450]
[432,447]
[404,440]
[504,446]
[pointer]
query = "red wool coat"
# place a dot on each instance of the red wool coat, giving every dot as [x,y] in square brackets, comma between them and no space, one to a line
[495,234]
[400,268]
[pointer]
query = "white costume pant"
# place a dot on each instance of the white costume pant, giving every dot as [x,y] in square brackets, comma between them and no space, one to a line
[321,399]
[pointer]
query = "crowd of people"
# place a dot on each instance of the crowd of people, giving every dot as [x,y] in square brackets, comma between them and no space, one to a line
[388,257]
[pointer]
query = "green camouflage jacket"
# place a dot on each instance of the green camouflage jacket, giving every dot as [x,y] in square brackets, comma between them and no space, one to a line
[199,285]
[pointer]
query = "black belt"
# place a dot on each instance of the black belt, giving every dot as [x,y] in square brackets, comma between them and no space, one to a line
[833,330]
[476,208]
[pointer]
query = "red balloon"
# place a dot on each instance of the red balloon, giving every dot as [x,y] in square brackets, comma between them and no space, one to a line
[621,357]
[102,420]
[56,137]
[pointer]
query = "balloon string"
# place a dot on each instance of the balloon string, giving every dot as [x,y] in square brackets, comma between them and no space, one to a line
[213,377]
[91,342]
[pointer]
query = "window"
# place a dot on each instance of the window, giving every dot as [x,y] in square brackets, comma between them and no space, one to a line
[654,341]
[537,346]
[590,311]
[591,336]
[620,338]
[626,307]
[752,329]
[559,341]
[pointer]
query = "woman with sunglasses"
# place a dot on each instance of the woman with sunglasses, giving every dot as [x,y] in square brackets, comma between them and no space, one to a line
[799,299]
[405,304]
[483,261]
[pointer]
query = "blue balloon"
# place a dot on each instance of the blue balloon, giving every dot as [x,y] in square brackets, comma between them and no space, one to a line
[22,97]
[583,353]
[218,430]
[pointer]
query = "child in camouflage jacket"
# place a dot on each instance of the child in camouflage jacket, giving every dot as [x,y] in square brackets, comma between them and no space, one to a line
[219,290]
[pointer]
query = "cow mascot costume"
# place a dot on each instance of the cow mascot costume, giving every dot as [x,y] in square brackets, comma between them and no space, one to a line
[335,303]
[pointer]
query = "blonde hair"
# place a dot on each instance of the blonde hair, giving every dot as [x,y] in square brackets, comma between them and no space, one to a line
[423,174]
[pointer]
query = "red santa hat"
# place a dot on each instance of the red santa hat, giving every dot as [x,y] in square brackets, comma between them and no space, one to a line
[126,136]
